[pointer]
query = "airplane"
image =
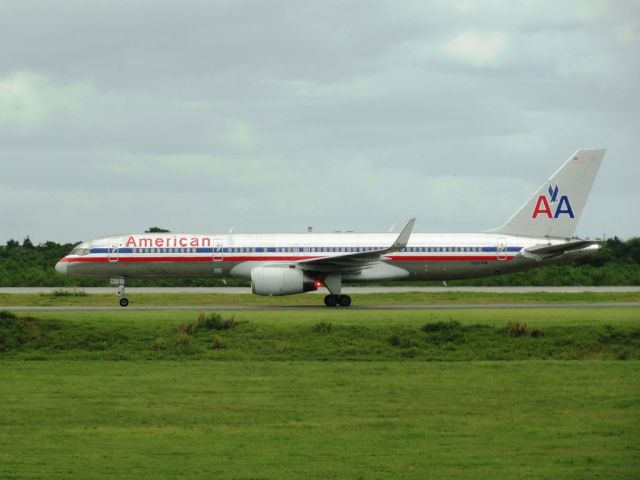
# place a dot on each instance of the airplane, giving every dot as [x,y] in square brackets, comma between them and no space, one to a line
[539,233]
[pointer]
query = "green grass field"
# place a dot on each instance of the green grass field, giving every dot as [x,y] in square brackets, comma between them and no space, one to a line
[230,420]
[331,393]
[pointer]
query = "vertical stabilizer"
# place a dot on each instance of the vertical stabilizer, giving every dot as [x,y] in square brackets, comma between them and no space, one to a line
[554,210]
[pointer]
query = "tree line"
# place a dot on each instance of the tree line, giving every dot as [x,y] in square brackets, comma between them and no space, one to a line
[616,263]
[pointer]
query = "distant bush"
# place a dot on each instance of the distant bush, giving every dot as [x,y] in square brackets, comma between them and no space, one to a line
[322,327]
[214,321]
[410,352]
[516,329]
[183,340]
[7,315]
[159,344]
[536,332]
[443,332]
[217,344]
[450,326]
[17,332]
[186,328]
[405,341]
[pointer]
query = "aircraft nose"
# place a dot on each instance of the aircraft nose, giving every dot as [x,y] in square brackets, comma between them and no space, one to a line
[61,267]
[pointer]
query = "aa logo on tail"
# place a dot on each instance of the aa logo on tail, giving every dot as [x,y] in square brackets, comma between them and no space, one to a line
[543,205]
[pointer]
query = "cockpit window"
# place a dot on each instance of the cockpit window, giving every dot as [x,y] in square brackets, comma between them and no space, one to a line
[80,251]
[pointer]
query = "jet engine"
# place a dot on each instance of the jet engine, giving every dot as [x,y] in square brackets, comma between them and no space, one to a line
[273,280]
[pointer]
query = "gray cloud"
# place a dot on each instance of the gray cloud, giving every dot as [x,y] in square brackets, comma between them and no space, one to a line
[270,116]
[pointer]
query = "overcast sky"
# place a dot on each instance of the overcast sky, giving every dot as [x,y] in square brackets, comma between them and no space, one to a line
[202,116]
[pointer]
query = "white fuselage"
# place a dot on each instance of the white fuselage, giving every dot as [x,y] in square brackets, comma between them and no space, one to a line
[426,257]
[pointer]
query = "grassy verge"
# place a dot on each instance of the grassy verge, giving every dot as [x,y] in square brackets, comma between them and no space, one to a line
[281,420]
[321,394]
[404,298]
[327,335]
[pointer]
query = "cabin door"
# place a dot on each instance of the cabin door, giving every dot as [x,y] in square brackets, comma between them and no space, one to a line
[501,250]
[218,250]
[113,252]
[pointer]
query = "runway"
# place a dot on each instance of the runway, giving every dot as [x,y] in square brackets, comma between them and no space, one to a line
[302,308]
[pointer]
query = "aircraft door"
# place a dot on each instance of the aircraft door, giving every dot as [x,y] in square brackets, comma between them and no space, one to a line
[501,250]
[113,252]
[218,250]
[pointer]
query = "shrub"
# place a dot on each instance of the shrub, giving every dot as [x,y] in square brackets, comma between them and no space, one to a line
[183,339]
[229,323]
[537,332]
[186,328]
[517,329]
[622,355]
[442,332]
[450,326]
[217,343]
[411,352]
[184,345]
[9,320]
[322,327]
[6,315]
[403,342]
[159,344]
[214,321]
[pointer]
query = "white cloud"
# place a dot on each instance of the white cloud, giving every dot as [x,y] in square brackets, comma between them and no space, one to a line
[22,105]
[341,114]
[477,48]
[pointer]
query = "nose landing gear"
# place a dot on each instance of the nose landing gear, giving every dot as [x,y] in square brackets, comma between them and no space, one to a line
[124,301]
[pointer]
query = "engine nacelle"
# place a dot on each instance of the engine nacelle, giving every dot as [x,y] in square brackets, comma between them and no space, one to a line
[280,280]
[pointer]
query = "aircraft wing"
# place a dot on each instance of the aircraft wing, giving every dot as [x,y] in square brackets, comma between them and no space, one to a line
[549,251]
[355,262]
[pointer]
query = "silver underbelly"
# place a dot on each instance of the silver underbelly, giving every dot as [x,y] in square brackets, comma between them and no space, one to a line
[438,270]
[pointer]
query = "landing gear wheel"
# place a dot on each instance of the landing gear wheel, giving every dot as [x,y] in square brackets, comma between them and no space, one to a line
[331,300]
[344,300]
[124,302]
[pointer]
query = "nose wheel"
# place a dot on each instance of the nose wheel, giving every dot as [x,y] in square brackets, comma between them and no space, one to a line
[333,300]
[124,301]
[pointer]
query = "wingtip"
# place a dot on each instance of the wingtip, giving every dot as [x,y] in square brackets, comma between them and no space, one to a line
[403,238]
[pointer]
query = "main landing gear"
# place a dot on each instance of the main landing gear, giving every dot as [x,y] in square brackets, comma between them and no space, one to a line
[333,300]
[124,301]
[333,282]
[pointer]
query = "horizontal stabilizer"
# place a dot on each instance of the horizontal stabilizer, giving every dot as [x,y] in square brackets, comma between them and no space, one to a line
[548,251]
